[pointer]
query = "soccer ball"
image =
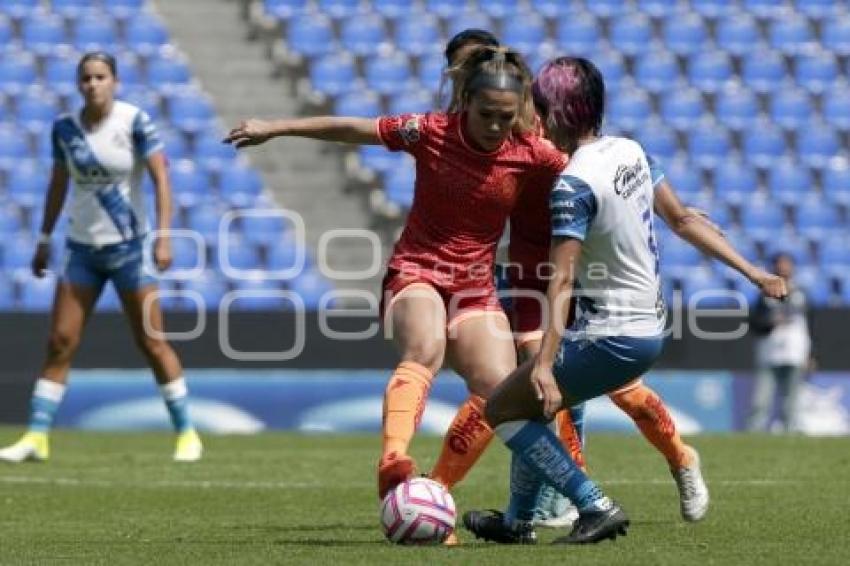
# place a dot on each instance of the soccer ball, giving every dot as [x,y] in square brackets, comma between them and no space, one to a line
[418,511]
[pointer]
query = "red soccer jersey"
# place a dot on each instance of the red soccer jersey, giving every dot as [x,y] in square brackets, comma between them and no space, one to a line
[462,196]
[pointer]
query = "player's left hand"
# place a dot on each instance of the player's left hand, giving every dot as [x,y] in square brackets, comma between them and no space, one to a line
[546,390]
[249,132]
[771,285]
[162,257]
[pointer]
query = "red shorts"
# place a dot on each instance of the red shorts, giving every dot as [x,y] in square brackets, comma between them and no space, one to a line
[459,304]
[529,308]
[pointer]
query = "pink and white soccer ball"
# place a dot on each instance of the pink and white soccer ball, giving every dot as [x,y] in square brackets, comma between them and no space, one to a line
[418,511]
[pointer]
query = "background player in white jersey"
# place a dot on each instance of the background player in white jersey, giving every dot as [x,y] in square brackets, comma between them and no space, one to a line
[604,251]
[103,150]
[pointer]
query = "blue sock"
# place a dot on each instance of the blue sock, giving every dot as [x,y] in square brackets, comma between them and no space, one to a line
[577,416]
[525,491]
[45,401]
[176,397]
[541,451]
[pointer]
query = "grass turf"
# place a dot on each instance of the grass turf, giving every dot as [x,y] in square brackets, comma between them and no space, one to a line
[281,498]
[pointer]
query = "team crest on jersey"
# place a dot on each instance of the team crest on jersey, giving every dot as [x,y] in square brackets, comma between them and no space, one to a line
[80,151]
[409,131]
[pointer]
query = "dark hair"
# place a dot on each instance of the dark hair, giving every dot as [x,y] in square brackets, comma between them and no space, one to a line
[569,95]
[774,258]
[498,68]
[100,56]
[469,36]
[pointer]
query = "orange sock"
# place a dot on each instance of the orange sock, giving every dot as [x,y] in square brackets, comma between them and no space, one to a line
[653,419]
[404,402]
[570,439]
[463,444]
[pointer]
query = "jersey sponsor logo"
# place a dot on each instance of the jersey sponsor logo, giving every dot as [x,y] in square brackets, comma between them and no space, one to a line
[629,178]
[409,131]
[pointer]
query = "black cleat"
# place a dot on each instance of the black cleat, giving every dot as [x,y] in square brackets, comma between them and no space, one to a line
[597,525]
[490,525]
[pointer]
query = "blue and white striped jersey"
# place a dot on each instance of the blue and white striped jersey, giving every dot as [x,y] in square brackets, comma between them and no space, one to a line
[106,166]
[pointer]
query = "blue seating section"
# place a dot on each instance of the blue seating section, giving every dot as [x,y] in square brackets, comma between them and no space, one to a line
[40,44]
[744,101]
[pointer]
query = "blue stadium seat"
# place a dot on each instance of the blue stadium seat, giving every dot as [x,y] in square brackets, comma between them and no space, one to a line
[419,35]
[657,71]
[190,111]
[710,71]
[334,74]
[554,10]
[834,250]
[377,158]
[764,144]
[210,286]
[736,108]
[713,9]
[628,109]
[737,33]
[7,33]
[205,220]
[790,34]
[654,8]
[358,103]
[175,144]
[658,140]
[93,34]
[758,215]
[7,293]
[146,99]
[709,145]
[284,255]
[310,35]
[429,71]
[684,33]
[836,182]
[816,72]
[836,108]
[388,74]
[675,251]
[363,34]
[791,108]
[10,220]
[27,183]
[446,9]
[18,9]
[611,65]
[36,110]
[817,145]
[578,34]
[311,286]
[735,181]
[417,100]
[340,9]
[835,35]
[764,71]
[11,148]
[285,9]
[186,254]
[42,33]
[465,19]
[145,34]
[813,212]
[261,295]
[786,242]
[70,8]
[761,8]
[109,300]
[524,32]
[17,251]
[186,177]
[167,71]
[606,8]
[212,153]
[683,175]
[682,108]
[631,33]
[60,72]
[818,9]
[266,231]
[703,288]
[17,72]
[504,10]
[788,181]
[398,186]
[36,294]
[123,10]
[240,254]
[393,9]
[240,180]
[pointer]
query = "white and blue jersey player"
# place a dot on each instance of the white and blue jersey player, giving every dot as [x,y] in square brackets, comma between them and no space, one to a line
[603,243]
[101,152]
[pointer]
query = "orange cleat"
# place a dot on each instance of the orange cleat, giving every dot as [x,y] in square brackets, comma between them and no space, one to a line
[393,469]
[451,540]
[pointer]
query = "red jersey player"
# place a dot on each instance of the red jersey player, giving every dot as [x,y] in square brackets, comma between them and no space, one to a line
[472,167]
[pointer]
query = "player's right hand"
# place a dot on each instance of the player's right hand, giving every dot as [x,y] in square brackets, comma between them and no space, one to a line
[772,286]
[249,132]
[40,260]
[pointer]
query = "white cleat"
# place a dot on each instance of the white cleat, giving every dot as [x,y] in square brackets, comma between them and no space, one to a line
[33,446]
[693,492]
[189,447]
[565,520]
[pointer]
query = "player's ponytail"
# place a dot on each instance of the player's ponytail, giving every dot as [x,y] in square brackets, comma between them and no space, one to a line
[497,68]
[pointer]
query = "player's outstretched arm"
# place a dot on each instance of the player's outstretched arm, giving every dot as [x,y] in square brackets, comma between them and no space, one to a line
[157,169]
[702,235]
[57,189]
[327,128]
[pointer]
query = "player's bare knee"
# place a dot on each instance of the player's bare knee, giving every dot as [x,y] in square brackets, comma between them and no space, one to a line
[61,345]
[428,355]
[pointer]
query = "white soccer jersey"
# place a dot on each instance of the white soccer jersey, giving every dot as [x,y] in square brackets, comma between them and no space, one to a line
[106,167]
[604,197]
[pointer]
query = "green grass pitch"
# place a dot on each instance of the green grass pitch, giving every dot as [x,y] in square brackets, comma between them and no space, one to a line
[284,499]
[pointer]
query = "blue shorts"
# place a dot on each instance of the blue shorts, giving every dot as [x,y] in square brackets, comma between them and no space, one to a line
[589,368]
[122,263]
